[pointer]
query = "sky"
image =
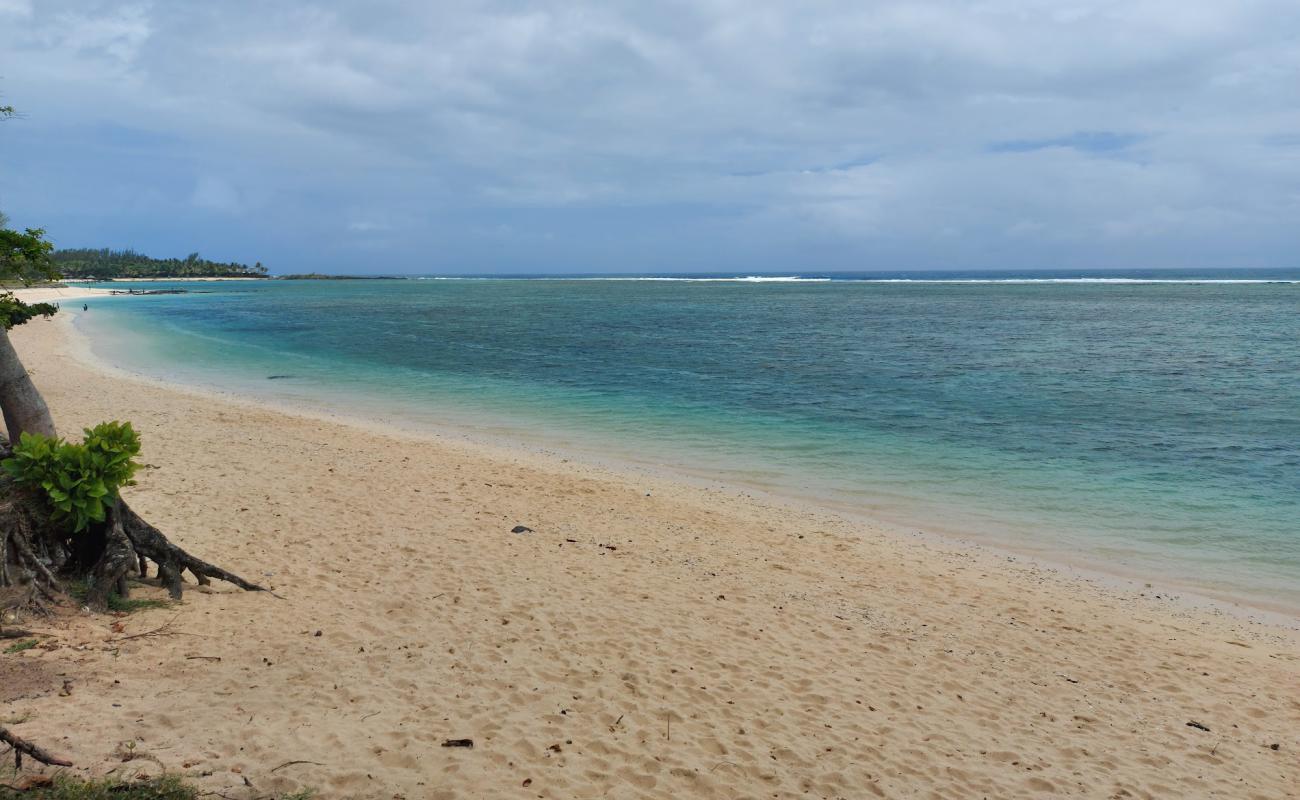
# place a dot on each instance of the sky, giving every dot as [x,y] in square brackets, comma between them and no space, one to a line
[711,135]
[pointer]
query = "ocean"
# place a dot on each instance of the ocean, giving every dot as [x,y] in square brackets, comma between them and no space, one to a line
[1145,424]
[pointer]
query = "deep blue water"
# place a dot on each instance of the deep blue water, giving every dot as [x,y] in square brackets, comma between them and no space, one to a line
[1151,428]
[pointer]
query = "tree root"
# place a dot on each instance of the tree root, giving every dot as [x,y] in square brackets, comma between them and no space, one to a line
[109,573]
[149,542]
[21,746]
[123,543]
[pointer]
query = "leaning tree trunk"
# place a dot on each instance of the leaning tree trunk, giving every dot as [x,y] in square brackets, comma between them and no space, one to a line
[24,408]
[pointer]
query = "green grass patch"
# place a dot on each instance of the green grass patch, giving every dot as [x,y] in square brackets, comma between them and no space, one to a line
[18,647]
[129,604]
[79,590]
[166,787]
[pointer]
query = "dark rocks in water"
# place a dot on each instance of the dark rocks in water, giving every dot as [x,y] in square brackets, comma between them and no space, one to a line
[149,291]
[521,529]
[277,377]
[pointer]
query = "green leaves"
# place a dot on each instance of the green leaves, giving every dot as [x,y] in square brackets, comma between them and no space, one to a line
[80,481]
[15,312]
[26,256]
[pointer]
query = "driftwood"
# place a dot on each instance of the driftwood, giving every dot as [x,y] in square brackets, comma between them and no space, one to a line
[23,747]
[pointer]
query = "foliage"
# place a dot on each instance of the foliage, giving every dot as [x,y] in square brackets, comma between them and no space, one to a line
[26,256]
[15,312]
[106,264]
[18,647]
[81,480]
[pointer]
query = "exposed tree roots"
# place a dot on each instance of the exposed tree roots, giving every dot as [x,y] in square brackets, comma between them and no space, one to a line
[101,557]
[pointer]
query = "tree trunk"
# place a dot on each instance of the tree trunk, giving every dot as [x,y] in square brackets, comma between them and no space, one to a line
[24,408]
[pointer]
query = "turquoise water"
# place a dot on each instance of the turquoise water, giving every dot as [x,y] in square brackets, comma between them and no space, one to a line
[1148,428]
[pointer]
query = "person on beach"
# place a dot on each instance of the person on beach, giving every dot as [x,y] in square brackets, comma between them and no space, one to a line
[85,306]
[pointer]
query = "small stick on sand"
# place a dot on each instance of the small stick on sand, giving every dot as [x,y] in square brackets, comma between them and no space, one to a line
[161,630]
[298,761]
[21,745]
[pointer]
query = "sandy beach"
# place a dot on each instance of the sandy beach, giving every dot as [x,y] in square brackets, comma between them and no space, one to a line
[645,639]
[54,294]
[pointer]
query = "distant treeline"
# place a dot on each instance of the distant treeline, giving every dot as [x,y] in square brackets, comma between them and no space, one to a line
[106,264]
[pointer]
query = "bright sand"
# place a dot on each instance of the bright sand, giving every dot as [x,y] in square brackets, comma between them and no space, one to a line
[54,294]
[648,639]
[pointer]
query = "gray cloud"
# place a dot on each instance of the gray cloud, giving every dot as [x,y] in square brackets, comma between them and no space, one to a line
[621,136]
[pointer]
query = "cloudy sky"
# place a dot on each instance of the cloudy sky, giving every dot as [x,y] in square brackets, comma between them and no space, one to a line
[389,136]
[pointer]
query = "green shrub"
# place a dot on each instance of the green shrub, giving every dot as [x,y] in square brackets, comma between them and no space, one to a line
[15,312]
[164,787]
[67,787]
[80,481]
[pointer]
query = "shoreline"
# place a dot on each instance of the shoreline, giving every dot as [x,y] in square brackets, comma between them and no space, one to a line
[45,294]
[1057,558]
[647,638]
[167,280]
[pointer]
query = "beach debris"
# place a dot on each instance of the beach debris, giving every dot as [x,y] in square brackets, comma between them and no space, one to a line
[1274,746]
[521,529]
[162,630]
[458,743]
[1198,726]
[296,761]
